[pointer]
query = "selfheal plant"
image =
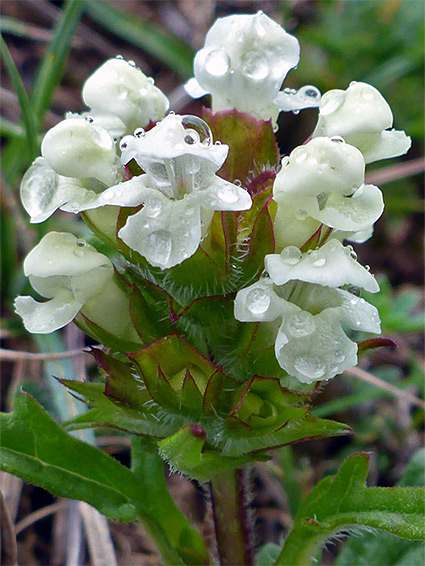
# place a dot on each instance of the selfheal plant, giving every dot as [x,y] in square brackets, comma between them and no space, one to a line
[227,298]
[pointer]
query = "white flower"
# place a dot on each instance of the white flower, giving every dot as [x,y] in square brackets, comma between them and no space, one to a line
[302,290]
[74,277]
[79,161]
[122,98]
[242,65]
[179,190]
[363,118]
[323,182]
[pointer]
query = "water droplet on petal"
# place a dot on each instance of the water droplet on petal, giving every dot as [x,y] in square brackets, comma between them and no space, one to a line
[139,132]
[319,262]
[81,243]
[228,193]
[300,324]
[258,301]
[291,255]
[285,161]
[367,267]
[217,63]
[120,57]
[367,94]
[339,356]
[189,210]
[309,92]
[300,155]
[79,253]
[191,137]
[337,139]
[159,246]
[197,126]
[153,207]
[310,366]
[254,65]
[132,63]
[237,182]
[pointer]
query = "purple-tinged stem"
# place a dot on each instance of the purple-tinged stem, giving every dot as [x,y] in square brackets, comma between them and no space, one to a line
[232,519]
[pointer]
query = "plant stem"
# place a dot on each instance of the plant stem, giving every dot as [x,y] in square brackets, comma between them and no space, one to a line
[232,521]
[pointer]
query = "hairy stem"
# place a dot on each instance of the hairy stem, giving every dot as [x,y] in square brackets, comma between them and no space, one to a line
[231,517]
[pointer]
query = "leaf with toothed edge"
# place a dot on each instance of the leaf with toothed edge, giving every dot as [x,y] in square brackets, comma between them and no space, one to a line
[343,501]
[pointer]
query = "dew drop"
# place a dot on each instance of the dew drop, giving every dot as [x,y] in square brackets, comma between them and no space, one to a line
[320,262]
[255,66]
[217,63]
[258,301]
[132,63]
[197,126]
[367,94]
[108,195]
[310,366]
[339,356]
[191,137]
[159,246]
[120,57]
[309,92]
[89,119]
[189,210]
[301,324]
[367,267]
[337,139]
[139,132]
[153,207]
[81,243]
[228,193]
[291,255]
[79,253]
[285,161]
[237,182]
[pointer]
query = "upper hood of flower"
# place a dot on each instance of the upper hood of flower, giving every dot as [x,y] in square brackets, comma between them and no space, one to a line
[122,97]
[243,63]
[362,117]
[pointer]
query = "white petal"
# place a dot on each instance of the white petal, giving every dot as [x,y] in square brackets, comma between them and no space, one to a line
[43,318]
[222,195]
[315,347]
[391,143]
[120,89]
[359,314]
[174,137]
[354,213]
[292,227]
[41,191]
[243,63]
[60,253]
[331,266]
[127,193]
[322,165]
[77,148]
[194,89]
[359,109]
[260,303]
[165,232]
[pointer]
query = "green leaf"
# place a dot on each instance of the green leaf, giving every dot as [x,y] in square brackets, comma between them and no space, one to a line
[342,502]
[267,554]
[143,34]
[384,548]
[184,454]
[27,113]
[35,448]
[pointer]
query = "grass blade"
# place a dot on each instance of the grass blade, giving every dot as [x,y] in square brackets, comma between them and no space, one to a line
[146,35]
[24,102]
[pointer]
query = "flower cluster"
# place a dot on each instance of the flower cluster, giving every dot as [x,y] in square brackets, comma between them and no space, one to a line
[177,207]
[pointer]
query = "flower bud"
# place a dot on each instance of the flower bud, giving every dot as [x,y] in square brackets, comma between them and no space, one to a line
[122,98]
[77,148]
